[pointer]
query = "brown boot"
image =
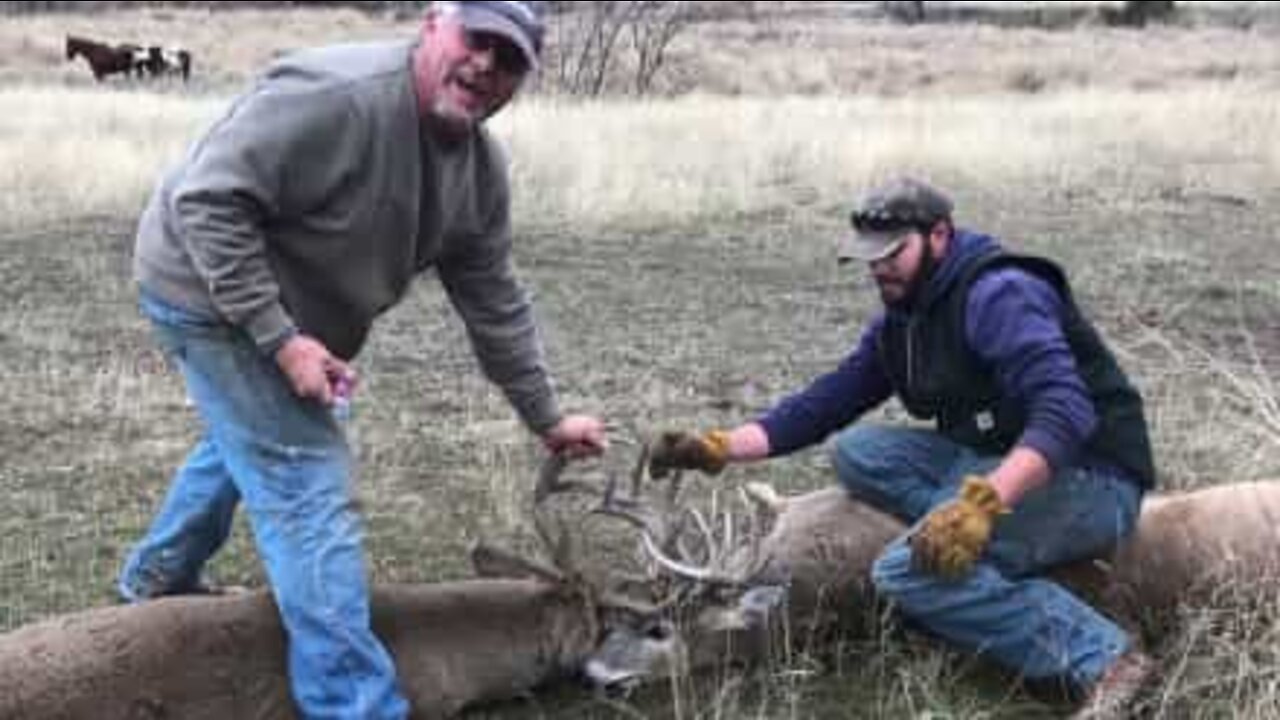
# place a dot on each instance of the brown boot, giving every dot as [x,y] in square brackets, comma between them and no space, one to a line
[1111,697]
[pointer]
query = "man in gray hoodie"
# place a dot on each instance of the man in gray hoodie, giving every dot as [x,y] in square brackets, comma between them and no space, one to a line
[262,260]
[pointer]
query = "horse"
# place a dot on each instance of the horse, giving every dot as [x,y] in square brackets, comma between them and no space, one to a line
[103,59]
[163,61]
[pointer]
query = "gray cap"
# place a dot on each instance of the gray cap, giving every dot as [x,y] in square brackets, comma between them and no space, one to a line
[887,214]
[519,22]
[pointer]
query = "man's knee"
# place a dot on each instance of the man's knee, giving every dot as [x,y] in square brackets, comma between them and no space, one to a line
[892,573]
[861,456]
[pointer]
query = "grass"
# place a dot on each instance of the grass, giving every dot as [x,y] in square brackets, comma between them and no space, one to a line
[680,252]
[91,149]
[704,156]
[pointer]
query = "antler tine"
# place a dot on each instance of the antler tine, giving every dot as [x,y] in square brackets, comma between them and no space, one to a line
[727,537]
[550,482]
[557,543]
[672,498]
[638,472]
[549,477]
[631,508]
[704,529]
[639,516]
[610,490]
[718,546]
[554,534]
[684,570]
[765,504]
[755,529]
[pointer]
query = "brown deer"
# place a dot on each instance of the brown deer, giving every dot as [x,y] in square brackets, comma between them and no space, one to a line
[456,644]
[1189,548]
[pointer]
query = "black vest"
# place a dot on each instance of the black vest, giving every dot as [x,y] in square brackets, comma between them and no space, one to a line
[937,376]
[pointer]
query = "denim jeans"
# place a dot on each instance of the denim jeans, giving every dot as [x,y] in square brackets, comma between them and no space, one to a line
[1002,609]
[286,458]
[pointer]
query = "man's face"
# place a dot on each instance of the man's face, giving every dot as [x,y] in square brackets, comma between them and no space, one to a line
[899,273]
[463,77]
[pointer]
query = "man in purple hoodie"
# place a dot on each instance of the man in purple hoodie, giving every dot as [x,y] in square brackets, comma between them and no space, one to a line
[1040,453]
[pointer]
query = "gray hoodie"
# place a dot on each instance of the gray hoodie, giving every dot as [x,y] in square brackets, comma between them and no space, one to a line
[312,203]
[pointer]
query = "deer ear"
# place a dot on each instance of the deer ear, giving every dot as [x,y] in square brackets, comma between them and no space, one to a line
[493,562]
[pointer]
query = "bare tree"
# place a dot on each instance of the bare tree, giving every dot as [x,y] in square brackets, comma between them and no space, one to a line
[908,11]
[1137,13]
[585,41]
[596,41]
[655,25]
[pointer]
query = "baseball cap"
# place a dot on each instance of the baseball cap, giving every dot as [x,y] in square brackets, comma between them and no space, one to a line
[519,22]
[886,215]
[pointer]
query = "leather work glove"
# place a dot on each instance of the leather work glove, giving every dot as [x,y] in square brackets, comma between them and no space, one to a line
[953,536]
[677,450]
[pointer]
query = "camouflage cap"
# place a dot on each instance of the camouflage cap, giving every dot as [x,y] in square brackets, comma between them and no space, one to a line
[888,213]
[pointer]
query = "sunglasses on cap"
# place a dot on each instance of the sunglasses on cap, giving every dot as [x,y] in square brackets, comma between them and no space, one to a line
[506,55]
[878,222]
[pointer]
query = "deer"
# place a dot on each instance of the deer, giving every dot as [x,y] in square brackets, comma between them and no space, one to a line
[521,623]
[1187,547]
[811,571]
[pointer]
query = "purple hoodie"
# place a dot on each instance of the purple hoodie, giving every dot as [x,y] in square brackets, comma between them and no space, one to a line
[1013,324]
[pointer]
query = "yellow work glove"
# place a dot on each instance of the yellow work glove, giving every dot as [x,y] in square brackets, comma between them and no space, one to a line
[675,450]
[952,537]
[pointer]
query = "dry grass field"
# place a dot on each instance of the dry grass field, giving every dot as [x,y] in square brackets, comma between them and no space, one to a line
[680,249]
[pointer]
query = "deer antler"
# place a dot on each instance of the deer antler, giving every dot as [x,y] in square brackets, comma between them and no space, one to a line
[709,574]
[662,534]
[550,482]
[675,574]
[495,562]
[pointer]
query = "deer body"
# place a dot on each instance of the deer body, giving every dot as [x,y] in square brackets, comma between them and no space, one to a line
[455,644]
[1186,547]
[463,643]
[1190,547]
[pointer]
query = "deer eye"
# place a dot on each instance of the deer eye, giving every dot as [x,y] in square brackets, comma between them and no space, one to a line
[659,631]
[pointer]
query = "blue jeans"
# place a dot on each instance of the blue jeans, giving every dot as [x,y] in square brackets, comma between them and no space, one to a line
[286,458]
[1002,609]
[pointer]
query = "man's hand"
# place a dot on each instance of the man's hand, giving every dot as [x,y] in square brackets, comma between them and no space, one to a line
[313,371]
[952,537]
[577,436]
[675,450]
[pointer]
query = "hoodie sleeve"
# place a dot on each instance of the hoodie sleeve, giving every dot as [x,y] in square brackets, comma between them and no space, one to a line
[1014,324]
[830,401]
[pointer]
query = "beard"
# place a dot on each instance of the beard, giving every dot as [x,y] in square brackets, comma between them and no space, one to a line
[892,293]
[451,124]
[457,108]
[903,295]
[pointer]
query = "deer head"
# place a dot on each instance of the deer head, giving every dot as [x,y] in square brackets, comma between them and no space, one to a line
[706,581]
[628,615]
